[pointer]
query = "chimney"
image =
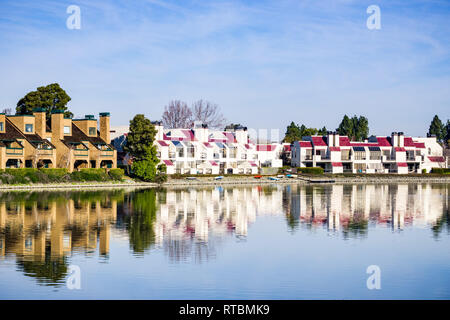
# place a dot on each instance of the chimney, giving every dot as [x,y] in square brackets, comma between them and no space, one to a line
[58,124]
[40,121]
[401,139]
[105,133]
[330,139]
[201,132]
[2,122]
[394,139]
[159,130]
[336,139]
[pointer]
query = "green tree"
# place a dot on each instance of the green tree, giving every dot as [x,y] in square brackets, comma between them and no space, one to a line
[355,128]
[140,146]
[309,132]
[322,132]
[293,133]
[233,126]
[346,127]
[48,97]
[437,128]
[361,128]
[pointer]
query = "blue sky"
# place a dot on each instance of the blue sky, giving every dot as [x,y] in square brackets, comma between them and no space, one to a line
[264,62]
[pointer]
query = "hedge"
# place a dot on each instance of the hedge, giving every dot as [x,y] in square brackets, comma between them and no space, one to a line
[46,175]
[116,174]
[440,170]
[90,174]
[310,170]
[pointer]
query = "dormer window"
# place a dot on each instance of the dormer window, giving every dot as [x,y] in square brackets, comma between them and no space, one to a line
[66,129]
[28,127]
[92,131]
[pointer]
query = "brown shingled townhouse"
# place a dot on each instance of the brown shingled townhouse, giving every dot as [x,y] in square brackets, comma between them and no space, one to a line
[32,141]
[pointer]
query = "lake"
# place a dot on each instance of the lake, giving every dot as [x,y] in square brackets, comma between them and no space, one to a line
[252,242]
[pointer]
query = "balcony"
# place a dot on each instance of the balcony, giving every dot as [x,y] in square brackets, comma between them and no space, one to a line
[14,151]
[45,152]
[81,152]
[107,153]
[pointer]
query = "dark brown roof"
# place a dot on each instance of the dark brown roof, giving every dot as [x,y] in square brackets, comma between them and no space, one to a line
[78,136]
[13,133]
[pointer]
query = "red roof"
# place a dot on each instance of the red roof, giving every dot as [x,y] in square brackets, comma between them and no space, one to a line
[230,137]
[436,159]
[265,147]
[247,146]
[213,163]
[318,141]
[335,149]
[402,164]
[383,142]
[305,144]
[400,149]
[168,162]
[336,164]
[287,147]
[253,163]
[162,143]
[189,135]
[410,143]
[207,145]
[344,141]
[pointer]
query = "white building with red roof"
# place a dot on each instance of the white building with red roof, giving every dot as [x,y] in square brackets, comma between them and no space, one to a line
[378,154]
[203,151]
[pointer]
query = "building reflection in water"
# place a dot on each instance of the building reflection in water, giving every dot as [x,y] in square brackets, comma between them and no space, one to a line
[351,208]
[42,230]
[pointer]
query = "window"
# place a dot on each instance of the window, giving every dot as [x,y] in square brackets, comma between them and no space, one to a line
[92,131]
[2,126]
[28,127]
[66,130]
[375,155]
[360,155]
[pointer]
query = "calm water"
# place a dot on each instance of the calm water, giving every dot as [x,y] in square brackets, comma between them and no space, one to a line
[258,242]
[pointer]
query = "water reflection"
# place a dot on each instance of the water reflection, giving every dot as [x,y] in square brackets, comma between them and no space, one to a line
[43,230]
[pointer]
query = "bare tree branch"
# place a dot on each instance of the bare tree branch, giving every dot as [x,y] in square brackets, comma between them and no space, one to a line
[177,115]
[208,113]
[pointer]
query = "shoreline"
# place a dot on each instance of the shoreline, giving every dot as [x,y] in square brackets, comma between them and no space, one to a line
[227,181]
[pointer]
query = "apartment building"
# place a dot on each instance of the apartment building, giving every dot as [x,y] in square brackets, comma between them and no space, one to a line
[33,141]
[203,151]
[379,154]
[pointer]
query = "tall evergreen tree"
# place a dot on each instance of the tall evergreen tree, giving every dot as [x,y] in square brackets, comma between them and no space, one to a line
[437,128]
[140,146]
[293,133]
[346,127]
[50,97]
[357,129]
[322,132]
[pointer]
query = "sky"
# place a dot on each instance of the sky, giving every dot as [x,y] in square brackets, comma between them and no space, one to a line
[264,62]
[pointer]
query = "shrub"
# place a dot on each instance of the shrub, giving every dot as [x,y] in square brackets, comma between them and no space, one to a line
[440,170]
[160,178]
[116,174]
[310,170]
[424,170]
[55,174]
[90,174]
[144,170]
[23,175]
